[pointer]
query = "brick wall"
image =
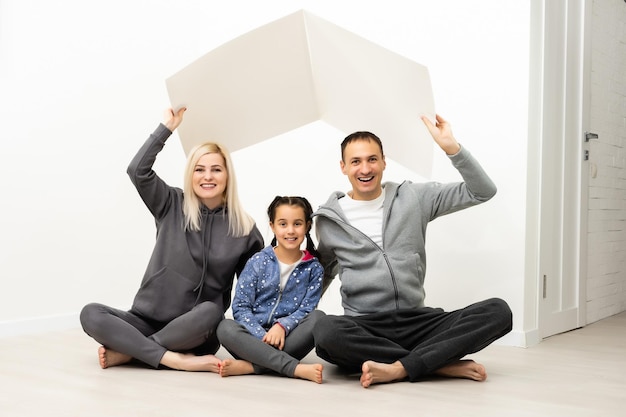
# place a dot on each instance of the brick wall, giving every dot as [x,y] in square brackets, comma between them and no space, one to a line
[606,270]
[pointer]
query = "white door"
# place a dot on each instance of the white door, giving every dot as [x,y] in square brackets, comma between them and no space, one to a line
[561,267]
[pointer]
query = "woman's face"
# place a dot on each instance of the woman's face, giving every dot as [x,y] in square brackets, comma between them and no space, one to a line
[210,179]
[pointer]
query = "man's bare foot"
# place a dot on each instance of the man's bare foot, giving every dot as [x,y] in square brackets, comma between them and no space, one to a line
[376,372]
[190,362]
[232,367]
[312,372]
[466,368]
[109,358]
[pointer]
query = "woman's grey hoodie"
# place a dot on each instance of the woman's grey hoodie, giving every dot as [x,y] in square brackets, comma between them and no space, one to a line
[186,267]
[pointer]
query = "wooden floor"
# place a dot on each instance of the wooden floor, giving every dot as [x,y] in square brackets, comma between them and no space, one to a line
[579,373]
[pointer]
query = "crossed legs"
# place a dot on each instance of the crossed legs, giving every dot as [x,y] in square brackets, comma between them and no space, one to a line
[412,343]
[252,355]
[125,336]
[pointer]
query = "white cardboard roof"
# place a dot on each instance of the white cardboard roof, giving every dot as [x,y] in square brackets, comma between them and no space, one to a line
[298,70]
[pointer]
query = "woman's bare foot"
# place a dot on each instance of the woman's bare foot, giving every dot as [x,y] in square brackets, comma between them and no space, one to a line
[232,367]
[109,358]
[466,368]
[191,362]
[312,372]
[376,373]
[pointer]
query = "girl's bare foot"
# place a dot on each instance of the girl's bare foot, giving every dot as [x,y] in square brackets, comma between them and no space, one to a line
[109,358]
[376,373]
[312,372]
[232,367]
[190,362]
[466,368]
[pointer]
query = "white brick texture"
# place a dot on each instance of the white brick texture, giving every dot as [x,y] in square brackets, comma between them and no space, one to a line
[606,266]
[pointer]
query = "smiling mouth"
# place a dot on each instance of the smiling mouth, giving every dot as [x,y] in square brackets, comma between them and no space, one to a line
[207,186]
[365,179]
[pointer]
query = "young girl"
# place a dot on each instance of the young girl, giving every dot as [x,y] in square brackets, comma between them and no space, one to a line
[275,299]
[204,238]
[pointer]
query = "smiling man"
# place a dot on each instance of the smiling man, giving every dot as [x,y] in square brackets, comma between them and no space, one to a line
[374,238]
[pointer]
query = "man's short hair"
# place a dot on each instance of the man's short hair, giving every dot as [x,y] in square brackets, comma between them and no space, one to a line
[362,135]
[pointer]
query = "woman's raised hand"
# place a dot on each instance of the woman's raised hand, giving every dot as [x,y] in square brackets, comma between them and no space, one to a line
[172,119]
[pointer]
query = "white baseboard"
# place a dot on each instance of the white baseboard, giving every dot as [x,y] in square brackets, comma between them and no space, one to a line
[519,338]
[36,325]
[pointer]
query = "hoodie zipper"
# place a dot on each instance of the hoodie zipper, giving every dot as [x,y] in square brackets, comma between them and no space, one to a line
[268,322]
[337,218]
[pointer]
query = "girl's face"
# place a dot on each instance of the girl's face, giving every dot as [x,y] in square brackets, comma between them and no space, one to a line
[210,179]
[289,226]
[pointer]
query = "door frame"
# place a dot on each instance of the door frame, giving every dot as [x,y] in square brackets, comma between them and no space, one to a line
[559,103]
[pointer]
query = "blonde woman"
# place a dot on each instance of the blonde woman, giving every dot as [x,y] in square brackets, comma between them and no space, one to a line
[204,238]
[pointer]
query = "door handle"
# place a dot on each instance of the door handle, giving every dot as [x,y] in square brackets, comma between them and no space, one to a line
[589,136]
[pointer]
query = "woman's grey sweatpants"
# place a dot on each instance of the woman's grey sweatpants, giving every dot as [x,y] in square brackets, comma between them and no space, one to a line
[147,340]
[423,339]
[243,345]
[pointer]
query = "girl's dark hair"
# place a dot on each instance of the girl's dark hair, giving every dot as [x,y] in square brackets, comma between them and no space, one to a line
[308,217]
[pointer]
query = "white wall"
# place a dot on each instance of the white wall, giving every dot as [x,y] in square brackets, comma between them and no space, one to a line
[606,265]
[82,85]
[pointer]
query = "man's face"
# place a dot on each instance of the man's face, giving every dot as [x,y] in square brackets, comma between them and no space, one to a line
[363,163]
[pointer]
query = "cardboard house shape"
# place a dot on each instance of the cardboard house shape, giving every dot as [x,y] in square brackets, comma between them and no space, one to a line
[301,69]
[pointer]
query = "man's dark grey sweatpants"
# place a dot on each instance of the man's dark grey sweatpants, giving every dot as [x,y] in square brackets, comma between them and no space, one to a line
[423,339]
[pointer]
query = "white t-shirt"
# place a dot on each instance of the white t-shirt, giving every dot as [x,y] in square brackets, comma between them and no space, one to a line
[366,215]
[286,270]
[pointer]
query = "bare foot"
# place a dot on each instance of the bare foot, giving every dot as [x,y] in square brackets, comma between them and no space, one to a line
[466,368]
[232,367]
[312,372]
[376,372]
[109,358]
[190,362]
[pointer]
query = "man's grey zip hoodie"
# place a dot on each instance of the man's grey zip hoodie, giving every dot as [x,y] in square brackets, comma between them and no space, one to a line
[375,279]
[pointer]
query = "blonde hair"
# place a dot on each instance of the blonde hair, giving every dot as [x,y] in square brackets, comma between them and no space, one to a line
[240,223]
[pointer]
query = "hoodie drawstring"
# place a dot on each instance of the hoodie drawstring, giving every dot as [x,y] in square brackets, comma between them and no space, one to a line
[200,285]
